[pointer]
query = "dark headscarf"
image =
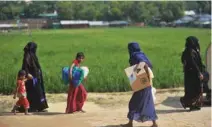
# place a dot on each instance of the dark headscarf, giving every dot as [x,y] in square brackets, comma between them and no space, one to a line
[134,48]
[30,55]
[192,51]
[30,47]
[192,43]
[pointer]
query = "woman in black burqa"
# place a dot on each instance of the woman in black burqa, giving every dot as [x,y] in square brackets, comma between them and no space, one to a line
[193,74]
[35,88]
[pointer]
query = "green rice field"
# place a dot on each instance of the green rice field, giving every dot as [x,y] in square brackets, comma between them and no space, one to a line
[106,55]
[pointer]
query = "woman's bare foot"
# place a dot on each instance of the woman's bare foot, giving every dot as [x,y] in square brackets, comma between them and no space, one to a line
[154,124]
[183,105]
[83,111]
[127,125]
[14,112]
[26,112]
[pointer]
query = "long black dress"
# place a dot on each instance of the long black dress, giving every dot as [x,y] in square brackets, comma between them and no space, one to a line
[34,88]
[192,69]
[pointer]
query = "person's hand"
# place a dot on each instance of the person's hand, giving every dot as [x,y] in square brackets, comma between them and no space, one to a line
[201,76]
[25,79]
[29,76]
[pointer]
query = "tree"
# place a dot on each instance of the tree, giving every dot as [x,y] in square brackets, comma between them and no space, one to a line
[16,10]
[100,8]
[191,5]
[199,6]
[35,8]
[89,13]
[4,11]
[137,11]
[148,11]
[125,7]
[177,9]
[10,10]
[86,11]
[51,6]
[170,11]
[204,7]
[78,7]
[64,10]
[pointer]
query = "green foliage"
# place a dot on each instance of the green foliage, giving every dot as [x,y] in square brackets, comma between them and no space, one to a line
[10,10]
[135,11]
[65,10]
[34,9]
[199,6]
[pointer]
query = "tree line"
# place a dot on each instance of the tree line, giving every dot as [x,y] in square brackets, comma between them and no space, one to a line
[135,11]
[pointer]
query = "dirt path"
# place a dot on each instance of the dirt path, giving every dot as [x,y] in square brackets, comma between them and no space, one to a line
[109,110]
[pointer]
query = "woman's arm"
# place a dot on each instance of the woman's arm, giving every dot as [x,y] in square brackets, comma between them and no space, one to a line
[29,76]
[16,90]
[193,55]
[145,68]
[147,71]
[71,68]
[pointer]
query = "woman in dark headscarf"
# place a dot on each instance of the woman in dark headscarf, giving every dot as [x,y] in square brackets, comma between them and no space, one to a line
[141,105]
[193,76]
[134,50]
[35,88]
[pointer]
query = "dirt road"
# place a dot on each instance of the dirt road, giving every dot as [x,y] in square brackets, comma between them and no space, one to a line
[106,110]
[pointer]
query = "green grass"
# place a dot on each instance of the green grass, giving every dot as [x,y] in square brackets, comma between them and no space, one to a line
[106,55]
